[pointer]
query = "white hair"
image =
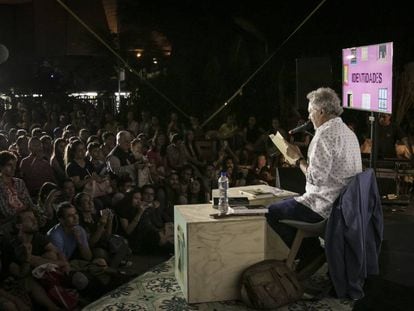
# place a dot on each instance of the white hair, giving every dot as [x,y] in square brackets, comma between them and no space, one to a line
[327,100]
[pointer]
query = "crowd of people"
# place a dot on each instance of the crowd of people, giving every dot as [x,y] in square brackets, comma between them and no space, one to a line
[82,190]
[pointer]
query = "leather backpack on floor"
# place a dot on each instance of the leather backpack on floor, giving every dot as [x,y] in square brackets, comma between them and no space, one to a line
[269,284]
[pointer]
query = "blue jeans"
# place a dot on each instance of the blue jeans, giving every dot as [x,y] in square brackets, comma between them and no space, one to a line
[292,210]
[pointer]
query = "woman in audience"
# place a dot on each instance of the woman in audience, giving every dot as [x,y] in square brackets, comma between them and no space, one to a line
[95,156]
[47,146]
[145,235]
[68,190]
[235,176]
[175,153]
[99,227]
[144,168]
[210,179]
[49,196]
[14,195]
[196,192]
[157,154]
[169,194]
[78,168]
[57,159]
[192,152]
[51,122]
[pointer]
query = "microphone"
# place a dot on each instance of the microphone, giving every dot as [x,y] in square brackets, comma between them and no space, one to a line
[301,128]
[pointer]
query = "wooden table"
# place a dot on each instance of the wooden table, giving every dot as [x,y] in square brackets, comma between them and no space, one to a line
[211,254]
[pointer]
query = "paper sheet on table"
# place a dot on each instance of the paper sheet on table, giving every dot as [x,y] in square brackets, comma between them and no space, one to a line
[282,145]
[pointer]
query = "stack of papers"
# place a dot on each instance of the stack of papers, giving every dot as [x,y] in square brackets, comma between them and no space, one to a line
[257,193]
[248,210]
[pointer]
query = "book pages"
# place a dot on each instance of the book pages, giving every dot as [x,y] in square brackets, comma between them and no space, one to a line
[282,145]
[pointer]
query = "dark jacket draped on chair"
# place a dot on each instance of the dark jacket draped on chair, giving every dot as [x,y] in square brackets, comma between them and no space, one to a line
[353,235]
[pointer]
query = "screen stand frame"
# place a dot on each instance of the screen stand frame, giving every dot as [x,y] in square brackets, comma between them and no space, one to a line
[373,132]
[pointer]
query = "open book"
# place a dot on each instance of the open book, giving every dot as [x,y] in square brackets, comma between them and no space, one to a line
[282,145]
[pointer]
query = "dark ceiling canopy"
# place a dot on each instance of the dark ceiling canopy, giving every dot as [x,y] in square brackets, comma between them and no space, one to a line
[14,1]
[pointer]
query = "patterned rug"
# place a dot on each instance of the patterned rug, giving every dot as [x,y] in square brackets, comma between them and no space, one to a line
[158,289]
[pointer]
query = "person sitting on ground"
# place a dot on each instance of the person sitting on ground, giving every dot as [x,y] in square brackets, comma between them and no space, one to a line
[47,145]
[95,156]
[175,154]
[120,160]
[260,172]
[4,142]
[57,161]
[196,192]
[14,195]
[19,287]
[68,236]
[42,249]
[192,153]
[35,168]
[144,166]
[123,185]
[49,197]
[99,227]
[109,142]
[144,233]
[68,190]
[78,167]
[169,194]
[158,150]
[229,131]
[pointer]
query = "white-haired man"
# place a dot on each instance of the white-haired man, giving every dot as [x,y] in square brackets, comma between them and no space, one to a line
[120,160]
[333,159]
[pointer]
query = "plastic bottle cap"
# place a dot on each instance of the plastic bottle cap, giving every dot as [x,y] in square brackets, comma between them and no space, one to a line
[223,173]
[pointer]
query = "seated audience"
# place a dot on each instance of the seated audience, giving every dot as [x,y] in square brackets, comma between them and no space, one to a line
[120,160]
[35,168]
[57,161]
[14,195]
[140,224]
[68,236]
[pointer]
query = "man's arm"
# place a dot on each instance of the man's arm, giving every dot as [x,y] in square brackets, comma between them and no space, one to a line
[294,152]
[51,255]
[57,241]
[82,243]
[406,142]
[303,165]
[114,165]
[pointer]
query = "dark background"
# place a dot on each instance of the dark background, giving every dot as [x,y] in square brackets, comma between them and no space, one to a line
[205,50]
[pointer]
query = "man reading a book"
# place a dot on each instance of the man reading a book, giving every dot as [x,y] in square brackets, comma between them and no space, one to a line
[333,159]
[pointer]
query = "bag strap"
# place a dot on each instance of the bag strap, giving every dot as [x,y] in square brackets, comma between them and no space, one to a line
[245,297]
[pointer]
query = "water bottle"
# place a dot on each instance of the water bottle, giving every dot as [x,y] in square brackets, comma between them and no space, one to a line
[223,185]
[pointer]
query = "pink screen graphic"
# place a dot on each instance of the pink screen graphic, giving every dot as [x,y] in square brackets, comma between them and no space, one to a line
[367,77]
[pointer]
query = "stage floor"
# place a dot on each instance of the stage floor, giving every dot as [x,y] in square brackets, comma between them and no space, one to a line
[393,289]
[158,289]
